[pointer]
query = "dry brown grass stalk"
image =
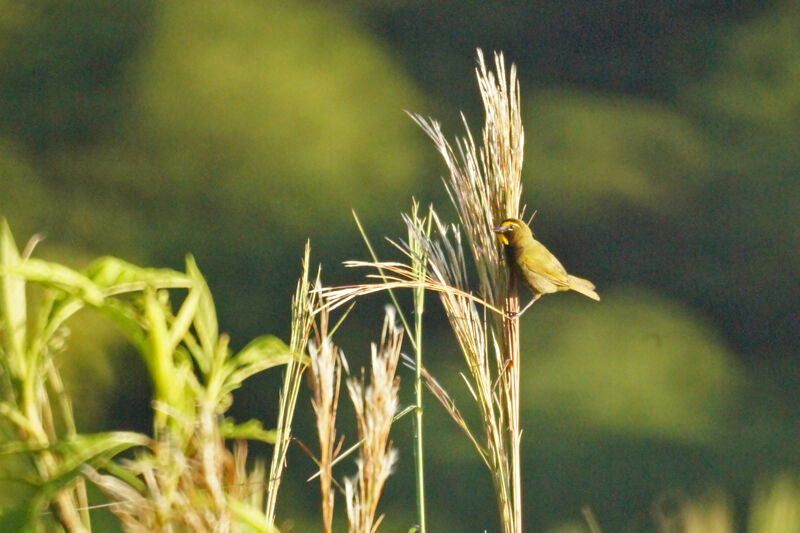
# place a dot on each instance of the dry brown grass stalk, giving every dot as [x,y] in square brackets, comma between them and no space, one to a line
[325,378]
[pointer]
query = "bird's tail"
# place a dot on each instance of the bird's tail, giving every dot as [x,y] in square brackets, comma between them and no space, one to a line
[583,286]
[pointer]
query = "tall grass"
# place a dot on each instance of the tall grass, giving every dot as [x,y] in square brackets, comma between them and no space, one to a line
[304,304]
[484,184]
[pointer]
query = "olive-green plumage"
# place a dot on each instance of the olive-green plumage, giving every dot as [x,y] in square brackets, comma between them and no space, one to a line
[535,265]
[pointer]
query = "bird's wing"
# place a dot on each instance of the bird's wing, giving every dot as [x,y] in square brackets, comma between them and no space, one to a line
[539,259]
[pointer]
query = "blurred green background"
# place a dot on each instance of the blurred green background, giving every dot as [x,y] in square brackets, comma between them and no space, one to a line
[661,155]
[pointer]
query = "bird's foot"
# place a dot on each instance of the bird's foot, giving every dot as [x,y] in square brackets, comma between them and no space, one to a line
[517,314]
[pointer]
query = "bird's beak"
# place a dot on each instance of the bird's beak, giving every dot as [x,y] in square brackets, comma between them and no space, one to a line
[500,230]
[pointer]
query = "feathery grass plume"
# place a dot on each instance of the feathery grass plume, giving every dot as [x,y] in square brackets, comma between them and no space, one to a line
[490,379]
[325,379]
[485,186]
[304,305]
[375,405]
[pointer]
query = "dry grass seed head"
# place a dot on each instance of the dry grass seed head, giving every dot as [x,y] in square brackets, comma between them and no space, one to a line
[375,406]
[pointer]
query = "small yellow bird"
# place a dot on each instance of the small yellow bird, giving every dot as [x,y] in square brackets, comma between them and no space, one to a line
[535,265]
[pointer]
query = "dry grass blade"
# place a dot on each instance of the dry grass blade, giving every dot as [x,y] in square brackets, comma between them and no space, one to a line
[441,394]
[404,278]
[304,305]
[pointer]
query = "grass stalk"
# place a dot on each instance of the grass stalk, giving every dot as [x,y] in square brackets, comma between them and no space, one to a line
[326,375]
[419,263]
[419,269]
[303,309]
[485,187]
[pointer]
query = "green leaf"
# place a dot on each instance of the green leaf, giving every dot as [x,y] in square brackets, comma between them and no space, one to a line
[205,321]
[183,320]
[267,347]
[58,276]
[128,471]
[250,516]
[13,304]
[262,353]
[250,430]
[54,309]
[76,450]
[74,453]
[158,355]
[202,359]
[20,519]
[96,448]
[118,276]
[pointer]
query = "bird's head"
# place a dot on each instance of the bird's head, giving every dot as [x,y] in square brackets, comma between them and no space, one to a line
[511,231]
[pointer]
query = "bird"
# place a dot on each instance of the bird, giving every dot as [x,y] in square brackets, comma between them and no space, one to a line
[535,265]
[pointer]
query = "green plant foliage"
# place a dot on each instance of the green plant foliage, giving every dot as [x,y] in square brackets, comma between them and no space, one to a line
[589,152]
[38,422]
[250,430]
[193,373]
[636,365]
